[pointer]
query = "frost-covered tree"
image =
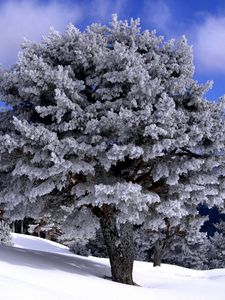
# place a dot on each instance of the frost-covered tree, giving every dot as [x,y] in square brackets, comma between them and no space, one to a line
[216,249]
[5,234]
[110,131]
[191,250]
[94,247]
[7,162]
[179,244]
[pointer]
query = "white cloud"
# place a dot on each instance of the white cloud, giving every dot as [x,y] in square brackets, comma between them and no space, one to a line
[102,10]
[30,19]
[158,14]
[209,45]
[207,36]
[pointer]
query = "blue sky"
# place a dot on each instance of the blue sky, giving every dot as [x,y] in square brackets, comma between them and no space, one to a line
[202,21]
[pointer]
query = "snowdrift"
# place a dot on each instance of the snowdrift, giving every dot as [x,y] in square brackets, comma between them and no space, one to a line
[37,269]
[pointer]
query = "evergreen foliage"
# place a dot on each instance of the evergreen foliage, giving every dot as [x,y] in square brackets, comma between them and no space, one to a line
[216,249]
[191,251]
[110,131]
[5,236]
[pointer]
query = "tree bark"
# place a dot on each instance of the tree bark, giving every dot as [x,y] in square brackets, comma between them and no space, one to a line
[13,226]
[21,227]
[157,255]
[119,244]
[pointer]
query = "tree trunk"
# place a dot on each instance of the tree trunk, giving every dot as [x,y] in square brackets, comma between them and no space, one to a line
[13,226]
[48,235]
[21,226]
[119,244]
[157,255]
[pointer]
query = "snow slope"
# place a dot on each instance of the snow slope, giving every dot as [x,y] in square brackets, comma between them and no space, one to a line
[38,269]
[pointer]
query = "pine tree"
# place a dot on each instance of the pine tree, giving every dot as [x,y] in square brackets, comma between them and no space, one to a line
[190,251]
[111,132]
[182,244]
[5,236]
[216,249]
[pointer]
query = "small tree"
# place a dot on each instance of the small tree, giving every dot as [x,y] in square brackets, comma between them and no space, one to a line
[175,244]
[110,131]
[5,234]
[190,251]
[216,249]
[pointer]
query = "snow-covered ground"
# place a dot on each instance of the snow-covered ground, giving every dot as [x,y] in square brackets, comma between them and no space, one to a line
[37,269]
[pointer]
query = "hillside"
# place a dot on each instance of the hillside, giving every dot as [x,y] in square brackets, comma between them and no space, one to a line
[37,269]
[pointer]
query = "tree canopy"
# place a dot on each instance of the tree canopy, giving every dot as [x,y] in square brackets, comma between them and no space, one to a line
[109,125]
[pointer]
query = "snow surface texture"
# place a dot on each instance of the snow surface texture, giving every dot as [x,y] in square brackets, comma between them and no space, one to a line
[37,269]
